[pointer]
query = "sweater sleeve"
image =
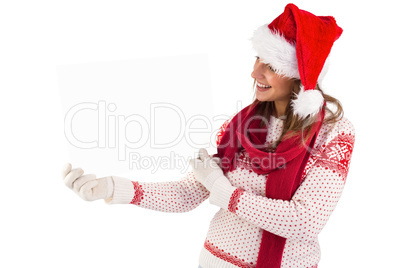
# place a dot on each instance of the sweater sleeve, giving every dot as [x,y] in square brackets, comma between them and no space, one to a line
[304,216]
[173,196]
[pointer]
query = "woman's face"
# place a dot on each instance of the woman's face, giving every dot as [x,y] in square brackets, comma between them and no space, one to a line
[271,86]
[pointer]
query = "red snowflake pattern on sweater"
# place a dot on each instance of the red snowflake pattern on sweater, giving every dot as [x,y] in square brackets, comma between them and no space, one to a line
[337,154]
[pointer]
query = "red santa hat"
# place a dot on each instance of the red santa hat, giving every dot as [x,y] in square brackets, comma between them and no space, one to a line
[297,44]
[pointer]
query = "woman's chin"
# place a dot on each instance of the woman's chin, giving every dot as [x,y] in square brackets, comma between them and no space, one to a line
[261,97]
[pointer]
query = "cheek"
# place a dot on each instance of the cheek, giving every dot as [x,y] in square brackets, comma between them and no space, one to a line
[284,86]
[269,77]
[274,81]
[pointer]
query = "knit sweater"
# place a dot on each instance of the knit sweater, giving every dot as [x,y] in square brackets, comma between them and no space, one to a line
[235,231]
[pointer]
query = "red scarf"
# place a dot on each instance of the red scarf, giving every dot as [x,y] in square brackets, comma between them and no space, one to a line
[284,166]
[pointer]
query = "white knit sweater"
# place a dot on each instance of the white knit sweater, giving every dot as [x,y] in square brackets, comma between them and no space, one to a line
[235,232]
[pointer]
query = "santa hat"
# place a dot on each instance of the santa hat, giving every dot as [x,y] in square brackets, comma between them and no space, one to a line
[297,44]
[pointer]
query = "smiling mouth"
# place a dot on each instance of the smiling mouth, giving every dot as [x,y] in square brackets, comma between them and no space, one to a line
[262,87]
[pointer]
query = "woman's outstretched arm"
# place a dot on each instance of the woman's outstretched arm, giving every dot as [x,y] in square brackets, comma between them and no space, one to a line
[173,196]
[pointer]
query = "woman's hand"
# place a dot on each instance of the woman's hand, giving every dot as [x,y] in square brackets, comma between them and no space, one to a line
[88,187]
[207,170]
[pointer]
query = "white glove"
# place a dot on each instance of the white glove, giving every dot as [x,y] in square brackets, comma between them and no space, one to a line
[207,170]
[88,187]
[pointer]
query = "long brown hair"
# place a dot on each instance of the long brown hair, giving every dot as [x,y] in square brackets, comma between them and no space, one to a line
[293,125]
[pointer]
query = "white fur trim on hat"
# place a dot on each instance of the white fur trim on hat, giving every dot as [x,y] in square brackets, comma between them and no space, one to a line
[274,49]
[308,102]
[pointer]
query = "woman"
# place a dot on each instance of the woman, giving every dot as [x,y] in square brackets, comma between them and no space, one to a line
[281,164]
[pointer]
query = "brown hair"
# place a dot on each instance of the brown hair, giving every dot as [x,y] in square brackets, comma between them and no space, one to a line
[293,124]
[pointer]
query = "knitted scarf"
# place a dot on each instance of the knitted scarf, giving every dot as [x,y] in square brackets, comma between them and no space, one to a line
[285,167]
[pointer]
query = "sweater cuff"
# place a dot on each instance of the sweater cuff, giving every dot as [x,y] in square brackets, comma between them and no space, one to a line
[123,191]
[221,193]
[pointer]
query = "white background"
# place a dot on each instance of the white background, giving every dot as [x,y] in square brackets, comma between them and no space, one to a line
[44,224]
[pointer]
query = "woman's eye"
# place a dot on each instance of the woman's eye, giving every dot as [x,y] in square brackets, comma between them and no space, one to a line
[269,66]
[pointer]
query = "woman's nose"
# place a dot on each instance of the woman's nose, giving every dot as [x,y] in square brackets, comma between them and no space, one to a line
[257,72]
